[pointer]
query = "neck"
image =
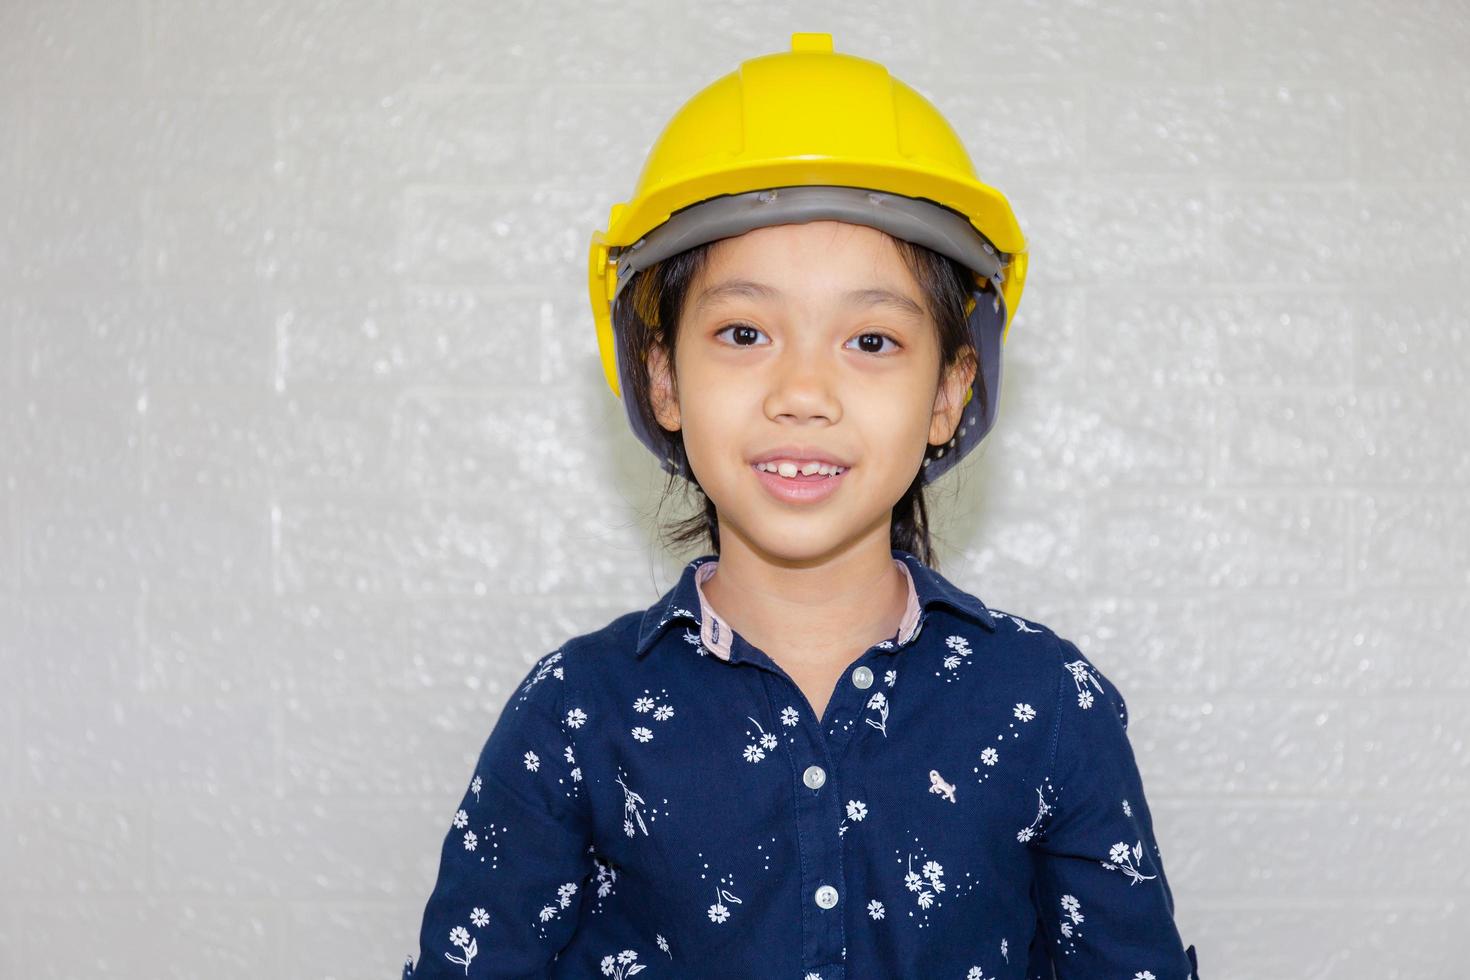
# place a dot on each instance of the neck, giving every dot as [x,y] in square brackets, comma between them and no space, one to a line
[809,611]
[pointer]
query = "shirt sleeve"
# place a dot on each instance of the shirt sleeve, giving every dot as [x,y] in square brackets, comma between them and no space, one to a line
[517,855]
[1103,903]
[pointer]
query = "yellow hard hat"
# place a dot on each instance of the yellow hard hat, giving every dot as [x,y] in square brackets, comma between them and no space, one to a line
[806,135]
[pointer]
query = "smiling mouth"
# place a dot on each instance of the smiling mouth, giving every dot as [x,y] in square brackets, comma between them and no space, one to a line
[801,489]
[810,471]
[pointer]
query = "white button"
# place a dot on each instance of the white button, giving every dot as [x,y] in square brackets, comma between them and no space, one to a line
[826,896]
[814,777]
[863,678]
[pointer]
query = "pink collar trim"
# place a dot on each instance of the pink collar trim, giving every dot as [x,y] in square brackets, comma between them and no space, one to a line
[716,634]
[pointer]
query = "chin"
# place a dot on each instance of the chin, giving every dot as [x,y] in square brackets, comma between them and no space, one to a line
[793,539]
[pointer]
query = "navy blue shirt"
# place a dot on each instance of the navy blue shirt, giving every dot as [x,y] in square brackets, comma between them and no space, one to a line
[657,796]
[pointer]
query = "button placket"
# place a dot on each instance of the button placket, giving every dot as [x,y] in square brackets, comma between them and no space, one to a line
[859,680]
[818,812]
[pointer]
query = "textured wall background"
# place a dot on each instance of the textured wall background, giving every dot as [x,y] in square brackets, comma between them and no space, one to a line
[303,423]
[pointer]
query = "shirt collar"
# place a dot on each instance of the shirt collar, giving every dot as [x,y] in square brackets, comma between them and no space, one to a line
[685,602]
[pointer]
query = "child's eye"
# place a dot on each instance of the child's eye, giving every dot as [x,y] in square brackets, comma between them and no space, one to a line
[881,337]
[745,330]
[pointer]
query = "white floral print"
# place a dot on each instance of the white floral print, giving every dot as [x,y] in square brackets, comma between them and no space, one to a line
[879,703]
[632,812]
[1043,808]
[875,909]
[564,895]
[549,664]
[959,648]
[1082,674]
[1022,626]
[643,705]
[718,912]
[606,876]
[856,811]
[756,751]
[1123,860]
[1071,917]
[469,948]
[624,964]
[680,613]
[928,881]
[789,715]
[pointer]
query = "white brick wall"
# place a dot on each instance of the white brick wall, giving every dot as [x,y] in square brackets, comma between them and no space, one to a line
[302,420]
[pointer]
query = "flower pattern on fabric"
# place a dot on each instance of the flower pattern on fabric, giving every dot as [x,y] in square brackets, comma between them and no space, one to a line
[1123,860]
[958,655]
[856,811]
[756,750]
[718,912]
[879,703]
[648,805]
[632,810]
[624,964]
[1082,675]
[1071,918]
[931,875]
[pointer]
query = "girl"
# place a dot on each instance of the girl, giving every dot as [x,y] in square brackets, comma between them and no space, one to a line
[814,757]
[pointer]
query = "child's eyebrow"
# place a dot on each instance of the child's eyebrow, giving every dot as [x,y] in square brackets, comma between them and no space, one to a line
[857,298]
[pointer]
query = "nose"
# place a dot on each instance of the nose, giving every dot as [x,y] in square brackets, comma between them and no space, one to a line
[802,387]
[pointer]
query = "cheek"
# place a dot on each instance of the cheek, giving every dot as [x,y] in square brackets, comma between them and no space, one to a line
[891,412]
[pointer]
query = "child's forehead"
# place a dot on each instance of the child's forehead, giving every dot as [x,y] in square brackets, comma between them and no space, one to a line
[864,295]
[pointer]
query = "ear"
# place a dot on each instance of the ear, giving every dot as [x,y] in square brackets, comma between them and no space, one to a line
[661,389]
[949,401]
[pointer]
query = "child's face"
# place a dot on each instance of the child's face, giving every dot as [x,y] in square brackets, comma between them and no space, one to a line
[807,375]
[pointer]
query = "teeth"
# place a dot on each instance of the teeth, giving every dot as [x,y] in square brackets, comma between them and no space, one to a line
[789,468]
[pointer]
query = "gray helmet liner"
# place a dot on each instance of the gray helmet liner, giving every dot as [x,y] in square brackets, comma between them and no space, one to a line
[911,219]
